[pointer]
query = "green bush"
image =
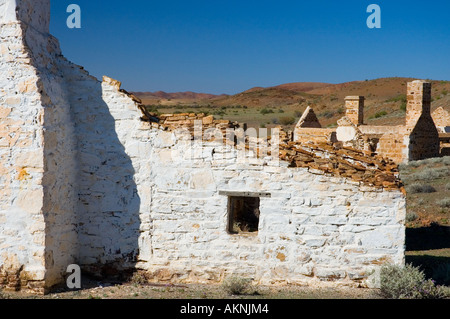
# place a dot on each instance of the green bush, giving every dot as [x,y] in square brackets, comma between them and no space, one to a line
[403,106]
[287,120]
[408,282]
[380,114]
[266,111]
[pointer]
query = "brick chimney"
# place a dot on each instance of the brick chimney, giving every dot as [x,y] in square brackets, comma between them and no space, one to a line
[355,109]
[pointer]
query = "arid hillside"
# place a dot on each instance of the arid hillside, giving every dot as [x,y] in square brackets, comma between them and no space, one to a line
[284,104]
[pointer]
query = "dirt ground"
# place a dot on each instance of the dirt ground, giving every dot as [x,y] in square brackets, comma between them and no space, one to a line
[104,290]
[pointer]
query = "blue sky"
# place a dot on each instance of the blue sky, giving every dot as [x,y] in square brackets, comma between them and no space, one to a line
[230,46]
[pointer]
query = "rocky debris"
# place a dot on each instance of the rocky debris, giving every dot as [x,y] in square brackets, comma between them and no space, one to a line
[344,162]
[328,158]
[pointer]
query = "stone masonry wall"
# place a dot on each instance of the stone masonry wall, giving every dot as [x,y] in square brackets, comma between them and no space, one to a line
[22,226]
[423,138]
[86,180]
[313,229]
[315,135]
[37,236]
[441,118]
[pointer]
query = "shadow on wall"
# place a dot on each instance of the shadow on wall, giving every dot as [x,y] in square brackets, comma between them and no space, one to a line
[424,139]
[108,220]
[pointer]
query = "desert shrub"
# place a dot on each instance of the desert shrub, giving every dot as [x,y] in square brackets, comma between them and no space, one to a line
[236,285]
[429,174]
[420,188]
[447,186]
[403,106]
[151,108]
[287,120]
[327,114]
[412,216]
[380,114]
[414,164]
[408,283]
[433,160]
[446,160]
[138,278]
[444,203]
[266,111]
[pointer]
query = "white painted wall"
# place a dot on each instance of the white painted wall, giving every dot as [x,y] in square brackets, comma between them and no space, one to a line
[85,181]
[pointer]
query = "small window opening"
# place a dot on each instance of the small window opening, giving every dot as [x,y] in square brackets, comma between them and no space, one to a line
[243,215]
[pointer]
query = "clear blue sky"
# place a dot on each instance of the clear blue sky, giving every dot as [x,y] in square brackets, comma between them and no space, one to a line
[230,46]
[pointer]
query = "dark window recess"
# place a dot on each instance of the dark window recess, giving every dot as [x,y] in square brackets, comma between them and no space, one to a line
[243,215]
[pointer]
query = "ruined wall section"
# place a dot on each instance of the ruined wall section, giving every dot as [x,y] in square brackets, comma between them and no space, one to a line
[60,167]
[315,135]
[441,118]
[110,191]
[423,138]
[22,226]
[314,229]
[38,184]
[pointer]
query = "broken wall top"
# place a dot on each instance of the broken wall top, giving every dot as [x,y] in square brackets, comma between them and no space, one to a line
[441,117]
[33,13]
[309,119]
[328,159]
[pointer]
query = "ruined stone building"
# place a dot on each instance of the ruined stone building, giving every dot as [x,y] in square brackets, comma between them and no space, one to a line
[441,118]
[423,135]
[88,177]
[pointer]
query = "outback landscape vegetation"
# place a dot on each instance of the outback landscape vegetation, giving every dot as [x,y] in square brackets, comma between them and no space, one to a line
[284,104]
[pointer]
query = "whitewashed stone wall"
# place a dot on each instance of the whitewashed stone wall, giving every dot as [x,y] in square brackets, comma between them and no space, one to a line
[84,181]
[37,152]
[313,229]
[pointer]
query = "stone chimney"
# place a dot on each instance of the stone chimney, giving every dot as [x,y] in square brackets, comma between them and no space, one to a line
[419,102]
[355,109]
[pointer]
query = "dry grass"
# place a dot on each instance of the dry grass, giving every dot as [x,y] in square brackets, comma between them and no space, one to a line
[428,216]
[428,194]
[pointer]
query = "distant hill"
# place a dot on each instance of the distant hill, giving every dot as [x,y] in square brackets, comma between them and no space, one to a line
[385,101]
[160,95]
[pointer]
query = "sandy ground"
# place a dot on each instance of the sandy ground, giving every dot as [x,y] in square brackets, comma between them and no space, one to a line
[107,290]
